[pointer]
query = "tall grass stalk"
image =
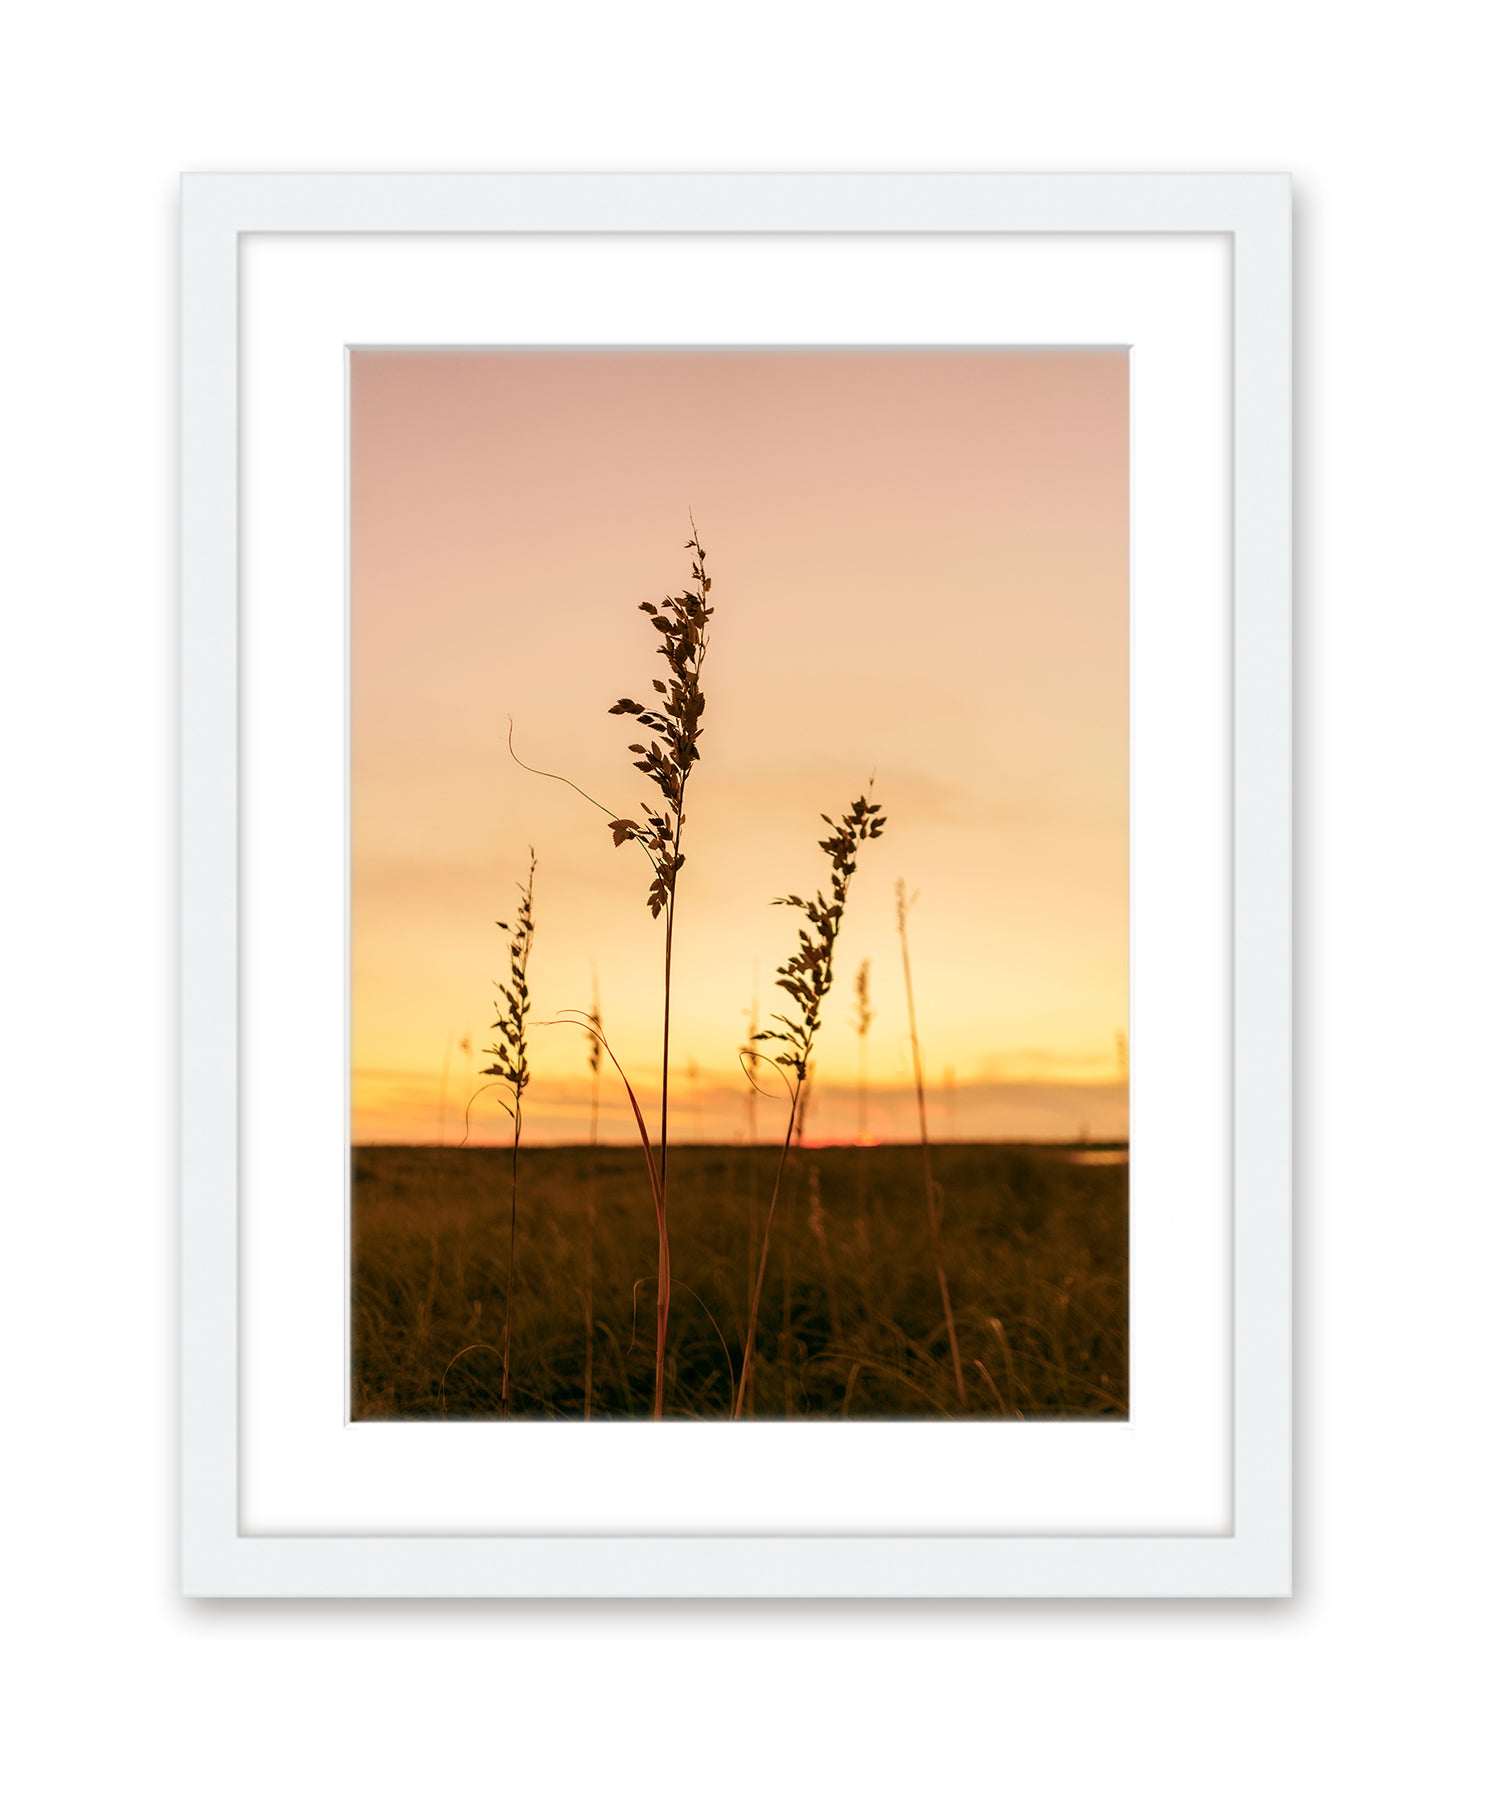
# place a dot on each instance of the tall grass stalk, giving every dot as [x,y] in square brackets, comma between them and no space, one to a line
[903,909]
[807,976]
[673,723]
[864,1017]
[748,1053]
[596,1032]
[511,1070]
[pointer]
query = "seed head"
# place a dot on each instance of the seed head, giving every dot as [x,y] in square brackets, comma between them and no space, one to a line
[514,1000]
[673,724]
[807,975]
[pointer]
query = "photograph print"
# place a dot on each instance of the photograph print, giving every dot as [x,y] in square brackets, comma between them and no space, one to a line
[739,852]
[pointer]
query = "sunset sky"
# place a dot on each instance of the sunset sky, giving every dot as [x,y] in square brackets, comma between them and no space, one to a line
[920,567]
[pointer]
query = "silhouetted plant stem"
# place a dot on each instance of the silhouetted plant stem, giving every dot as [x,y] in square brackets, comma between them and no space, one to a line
[747,1366]
[864,1015]
[663,1243]
[674,723]
[596,1025]
[747,1052]
[511,1068]
[510,1261]
[903,906]
[806,976]
[784,1339]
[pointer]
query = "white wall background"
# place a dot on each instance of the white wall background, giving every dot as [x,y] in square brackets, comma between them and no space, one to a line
[1371,1682]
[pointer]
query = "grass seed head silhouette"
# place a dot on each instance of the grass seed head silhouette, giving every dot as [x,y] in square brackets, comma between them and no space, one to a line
[514,1002]
[673,723]
[510,1067]
[807,974]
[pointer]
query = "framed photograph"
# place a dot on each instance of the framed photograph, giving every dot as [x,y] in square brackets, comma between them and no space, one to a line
[736,886]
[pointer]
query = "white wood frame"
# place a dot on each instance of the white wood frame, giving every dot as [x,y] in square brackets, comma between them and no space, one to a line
[1254,1558]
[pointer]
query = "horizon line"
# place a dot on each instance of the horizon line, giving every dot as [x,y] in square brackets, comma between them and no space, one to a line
[834,1143]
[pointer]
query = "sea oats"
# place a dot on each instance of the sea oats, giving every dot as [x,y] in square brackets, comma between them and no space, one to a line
[673,724]
[903,912]
[511,1069]
[807,976]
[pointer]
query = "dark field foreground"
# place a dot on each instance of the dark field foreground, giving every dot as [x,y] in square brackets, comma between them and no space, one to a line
[851,1324]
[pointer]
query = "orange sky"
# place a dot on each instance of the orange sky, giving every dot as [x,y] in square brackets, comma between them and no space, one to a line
[920,567]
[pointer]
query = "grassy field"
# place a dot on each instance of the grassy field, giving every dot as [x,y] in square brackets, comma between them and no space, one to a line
[851,1325]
